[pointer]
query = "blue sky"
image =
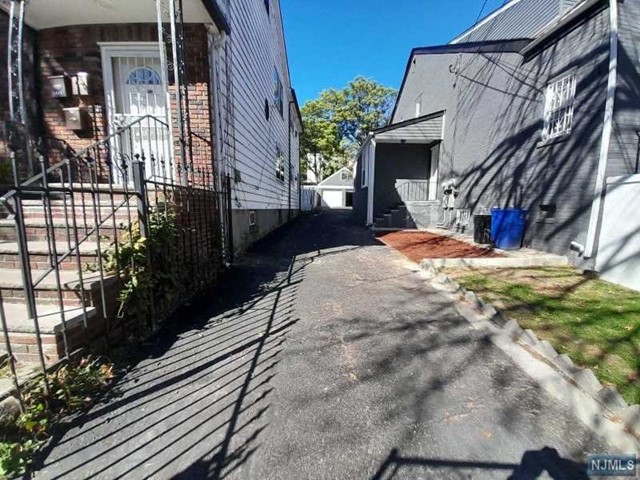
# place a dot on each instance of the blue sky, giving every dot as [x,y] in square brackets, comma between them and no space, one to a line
[329,42]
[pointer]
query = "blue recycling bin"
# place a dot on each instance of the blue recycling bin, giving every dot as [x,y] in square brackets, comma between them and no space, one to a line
[507,227]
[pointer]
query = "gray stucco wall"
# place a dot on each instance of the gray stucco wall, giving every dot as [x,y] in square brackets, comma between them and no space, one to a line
[494,119]
[395,161]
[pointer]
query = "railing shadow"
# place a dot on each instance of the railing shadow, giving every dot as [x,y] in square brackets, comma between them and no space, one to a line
[201,390]
[533,465]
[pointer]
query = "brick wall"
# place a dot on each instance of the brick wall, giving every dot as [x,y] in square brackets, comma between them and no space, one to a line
[68,50]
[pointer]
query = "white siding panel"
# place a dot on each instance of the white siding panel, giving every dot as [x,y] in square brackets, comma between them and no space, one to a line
[249,141]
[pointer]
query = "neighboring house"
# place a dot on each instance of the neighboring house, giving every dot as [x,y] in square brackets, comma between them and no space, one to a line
[538,107]
[136,108]
[336,191]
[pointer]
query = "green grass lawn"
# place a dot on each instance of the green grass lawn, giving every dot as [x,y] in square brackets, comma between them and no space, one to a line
[595,322]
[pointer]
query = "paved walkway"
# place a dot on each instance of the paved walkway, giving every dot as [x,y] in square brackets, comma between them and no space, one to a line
[324,357]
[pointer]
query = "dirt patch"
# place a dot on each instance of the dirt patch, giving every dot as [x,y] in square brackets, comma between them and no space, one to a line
[420,245]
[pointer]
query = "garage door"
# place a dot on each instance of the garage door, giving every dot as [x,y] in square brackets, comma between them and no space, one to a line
[332,199]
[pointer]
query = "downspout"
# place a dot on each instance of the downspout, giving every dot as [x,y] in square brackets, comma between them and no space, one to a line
[598,192]
[289,126]
[217,41]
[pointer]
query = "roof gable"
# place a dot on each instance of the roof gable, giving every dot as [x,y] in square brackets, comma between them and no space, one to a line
[336,180]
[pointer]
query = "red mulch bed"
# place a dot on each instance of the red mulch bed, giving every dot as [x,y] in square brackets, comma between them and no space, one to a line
[420,245]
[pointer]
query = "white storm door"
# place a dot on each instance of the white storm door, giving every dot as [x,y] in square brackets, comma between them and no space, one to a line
[137,102]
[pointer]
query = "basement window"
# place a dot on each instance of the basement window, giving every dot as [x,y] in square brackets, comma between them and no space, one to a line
[558,107]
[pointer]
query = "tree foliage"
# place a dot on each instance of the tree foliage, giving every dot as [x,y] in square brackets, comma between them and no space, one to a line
[338,122]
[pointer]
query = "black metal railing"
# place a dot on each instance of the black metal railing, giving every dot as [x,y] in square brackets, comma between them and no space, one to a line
[77,215]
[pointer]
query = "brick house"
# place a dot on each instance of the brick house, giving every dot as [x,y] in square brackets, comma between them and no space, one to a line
[192,96]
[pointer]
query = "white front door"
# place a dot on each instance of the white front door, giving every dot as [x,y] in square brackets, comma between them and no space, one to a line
[137,98]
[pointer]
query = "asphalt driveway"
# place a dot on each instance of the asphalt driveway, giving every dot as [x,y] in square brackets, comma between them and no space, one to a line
[323,357]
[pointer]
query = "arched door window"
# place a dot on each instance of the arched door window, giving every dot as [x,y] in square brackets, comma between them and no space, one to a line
[143,76]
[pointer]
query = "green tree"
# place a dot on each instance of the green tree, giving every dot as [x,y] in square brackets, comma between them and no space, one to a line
[320,140]
[338,122]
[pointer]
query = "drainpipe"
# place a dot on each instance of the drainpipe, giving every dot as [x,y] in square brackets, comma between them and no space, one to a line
[217,42]
[289,176]
[599,189]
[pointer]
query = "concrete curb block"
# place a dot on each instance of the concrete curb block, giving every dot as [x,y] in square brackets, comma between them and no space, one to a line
[584,378]
[631,418]
[528,338]
[612,399]
[546,349]
[587,380]
[565,364]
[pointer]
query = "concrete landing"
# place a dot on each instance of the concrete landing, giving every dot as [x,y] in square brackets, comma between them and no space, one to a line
[49,318]
[525,257]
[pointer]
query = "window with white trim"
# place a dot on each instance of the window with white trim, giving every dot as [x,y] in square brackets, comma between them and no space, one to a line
[558,107]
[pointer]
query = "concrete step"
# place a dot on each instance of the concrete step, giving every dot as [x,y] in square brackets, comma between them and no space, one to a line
[24,341]
[49,318]
[46,292]
[39,254]
[36,230]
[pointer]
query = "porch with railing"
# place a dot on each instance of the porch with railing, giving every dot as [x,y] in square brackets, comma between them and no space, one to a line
[101,244]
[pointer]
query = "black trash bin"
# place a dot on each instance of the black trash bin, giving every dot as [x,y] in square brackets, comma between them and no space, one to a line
[482,229]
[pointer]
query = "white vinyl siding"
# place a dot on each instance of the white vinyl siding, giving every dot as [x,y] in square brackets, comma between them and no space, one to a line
[558,109]
[253,56]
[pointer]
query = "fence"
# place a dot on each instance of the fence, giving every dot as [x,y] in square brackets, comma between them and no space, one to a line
[107,241]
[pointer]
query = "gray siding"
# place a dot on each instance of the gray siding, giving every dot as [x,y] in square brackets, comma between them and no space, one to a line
[429,80]
[626,119]
[395,161]
[493,128]
[522,20]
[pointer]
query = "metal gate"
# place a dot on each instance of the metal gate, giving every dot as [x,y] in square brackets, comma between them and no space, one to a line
[308,198]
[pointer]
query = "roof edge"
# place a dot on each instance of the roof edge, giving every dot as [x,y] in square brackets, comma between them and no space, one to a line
[216,14]
[509,45]
[409,122]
